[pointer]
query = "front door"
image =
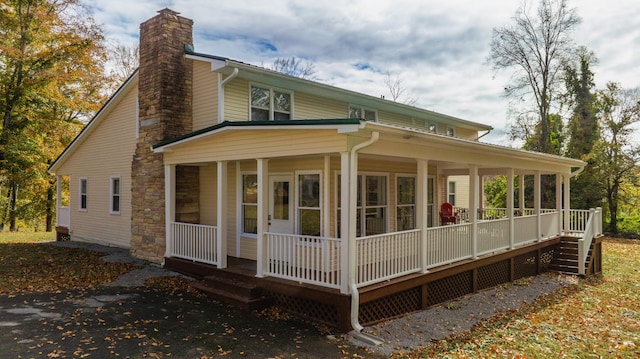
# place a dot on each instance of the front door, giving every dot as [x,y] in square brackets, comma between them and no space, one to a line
[281,204]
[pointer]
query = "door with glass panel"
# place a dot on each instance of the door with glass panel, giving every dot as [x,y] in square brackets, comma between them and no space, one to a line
[280,204]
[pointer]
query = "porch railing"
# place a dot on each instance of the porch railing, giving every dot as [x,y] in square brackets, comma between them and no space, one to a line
[63,217]
[493,236]
[194,242]
[386,256]
[448,244]
[307,259]
[593,228]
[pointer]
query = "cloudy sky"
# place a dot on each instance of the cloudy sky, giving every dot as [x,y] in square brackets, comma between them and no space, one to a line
[437,48]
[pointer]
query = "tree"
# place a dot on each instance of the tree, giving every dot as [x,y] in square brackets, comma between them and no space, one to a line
[294,67]
[614,155]
[50,78]
[398,91]
[123,61]
[534,46]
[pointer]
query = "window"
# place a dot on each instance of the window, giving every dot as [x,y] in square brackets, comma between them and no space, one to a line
[250,203]
[268,104]
[360,112]
[309,213]
[433,127]
[406,203]
[83,194]
[115,195]
[452,193]
[371,214]
[451,132]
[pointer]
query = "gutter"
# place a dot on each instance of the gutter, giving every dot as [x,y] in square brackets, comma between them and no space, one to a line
[355,296]
[484,134]
[221,86]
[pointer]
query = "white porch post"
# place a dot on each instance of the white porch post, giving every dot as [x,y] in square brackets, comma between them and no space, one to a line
[422,200]
[169,207]
[567,204]
[510,188]
[559,201]
[473,207]
[536,203]
[521,204]
[326,191]
[263,215]
[345,209]
[222,215]
[353,200]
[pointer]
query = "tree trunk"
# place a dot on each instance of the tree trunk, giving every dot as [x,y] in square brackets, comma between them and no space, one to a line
[50,206]
[13,201]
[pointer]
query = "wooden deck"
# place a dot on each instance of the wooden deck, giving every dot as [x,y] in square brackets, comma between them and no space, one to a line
[381,301]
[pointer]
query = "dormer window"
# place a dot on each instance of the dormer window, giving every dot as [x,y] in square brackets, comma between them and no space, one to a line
[268,104]
[361,112]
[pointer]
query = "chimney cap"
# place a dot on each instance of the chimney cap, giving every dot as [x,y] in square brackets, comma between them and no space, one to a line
[168,11]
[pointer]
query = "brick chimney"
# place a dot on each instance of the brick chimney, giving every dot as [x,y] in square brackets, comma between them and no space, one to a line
[164,100]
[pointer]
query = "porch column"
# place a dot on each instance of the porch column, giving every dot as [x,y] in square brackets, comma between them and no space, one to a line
[521,204]
[567,204]
[473,207]
[510,188]
[169,207]
[536,203]
[263,215]
[422,200]
[345,226]
[326,191]
[559,201]
[222,215]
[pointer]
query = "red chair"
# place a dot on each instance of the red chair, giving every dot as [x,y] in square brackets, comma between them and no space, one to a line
[447,216]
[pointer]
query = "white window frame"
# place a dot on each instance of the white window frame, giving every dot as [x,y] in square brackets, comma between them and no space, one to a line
[449,193]
[451,131]
[112,194]
[85,194]
[363,205]
[242,203]
[297,199]
[397,203]
[271,102]
[362,110]
[435,127]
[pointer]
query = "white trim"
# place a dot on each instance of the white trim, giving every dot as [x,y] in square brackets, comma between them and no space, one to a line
[362,110]
[272,90]
[453,131]
[397,206]
[80,194]
[296,218]
[112,194]
[241,204]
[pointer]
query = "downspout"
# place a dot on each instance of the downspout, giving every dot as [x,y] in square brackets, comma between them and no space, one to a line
[221,86]
[355,296]
[484,134]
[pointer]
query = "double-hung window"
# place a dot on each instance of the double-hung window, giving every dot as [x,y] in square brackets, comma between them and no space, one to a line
[451,195]
[361,112]
[406,203]
[268,104]
[250,203]
[371,205]
[115,195]
[82,205]
[451,132]
[309,212]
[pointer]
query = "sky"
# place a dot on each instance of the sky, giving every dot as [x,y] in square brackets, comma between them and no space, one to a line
[438,49]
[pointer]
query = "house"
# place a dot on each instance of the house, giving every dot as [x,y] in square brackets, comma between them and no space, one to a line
[325,198]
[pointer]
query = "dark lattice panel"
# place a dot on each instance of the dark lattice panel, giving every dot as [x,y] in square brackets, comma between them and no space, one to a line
[308,309]
[449,288]
[494,274]
[525,265]
[546,257]
[390,306]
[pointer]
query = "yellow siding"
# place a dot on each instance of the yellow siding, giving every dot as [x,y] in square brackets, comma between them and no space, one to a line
[236,100]
[462,190]
[466,133]
[205,95]
[106,152]
[402,120]
[240,144]
[208,195]
[313,107]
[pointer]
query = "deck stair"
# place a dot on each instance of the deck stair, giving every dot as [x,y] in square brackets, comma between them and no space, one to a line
[234,288]
[566,258]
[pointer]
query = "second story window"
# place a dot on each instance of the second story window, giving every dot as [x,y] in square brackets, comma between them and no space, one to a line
[360,112]
[269,104]
[433,127]
[451,132]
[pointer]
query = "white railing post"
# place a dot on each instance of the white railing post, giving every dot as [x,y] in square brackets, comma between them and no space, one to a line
[567,206]
[585,242]
[536,203]
[344,222]
[473,207]
[422,200]
[221,204]
[510,188]
[263,219]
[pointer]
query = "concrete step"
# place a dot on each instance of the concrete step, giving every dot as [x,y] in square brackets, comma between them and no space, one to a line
[236,299]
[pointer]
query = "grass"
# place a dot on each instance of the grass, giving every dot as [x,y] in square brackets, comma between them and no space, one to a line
[27,265]
[595,318]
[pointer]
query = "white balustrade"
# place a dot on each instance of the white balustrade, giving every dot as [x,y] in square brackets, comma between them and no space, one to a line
[493,236]
[63,217]
[525,229]
[307,259]
[194,242]
[549,224]
[593,228]
[447,244]
[386,256]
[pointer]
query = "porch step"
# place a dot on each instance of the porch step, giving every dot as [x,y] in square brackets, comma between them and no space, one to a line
[235,289]
[566,257]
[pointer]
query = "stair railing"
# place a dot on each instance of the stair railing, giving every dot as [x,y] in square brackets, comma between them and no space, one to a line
[592,229]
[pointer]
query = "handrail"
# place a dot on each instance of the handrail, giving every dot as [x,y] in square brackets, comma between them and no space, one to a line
[592,228]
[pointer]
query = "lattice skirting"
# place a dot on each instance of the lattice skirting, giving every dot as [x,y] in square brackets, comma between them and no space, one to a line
[307,309]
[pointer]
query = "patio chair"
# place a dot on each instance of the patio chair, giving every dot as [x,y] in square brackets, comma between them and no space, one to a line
[447,216]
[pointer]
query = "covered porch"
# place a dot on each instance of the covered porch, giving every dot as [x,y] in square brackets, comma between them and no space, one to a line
[344,236]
